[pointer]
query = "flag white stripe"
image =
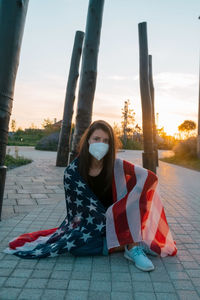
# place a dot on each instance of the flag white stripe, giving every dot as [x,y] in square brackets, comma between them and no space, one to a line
[133,204]
[29,246]
[111,236]
[120,179]
[153,219]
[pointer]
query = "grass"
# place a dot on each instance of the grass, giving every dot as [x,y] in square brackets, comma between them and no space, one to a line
[190,163]
[12,162]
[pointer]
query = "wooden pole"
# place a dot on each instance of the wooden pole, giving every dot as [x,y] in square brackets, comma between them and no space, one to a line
[88,71]
[65,133]
[153,109]
[148,154]
[12,20]
[198,134]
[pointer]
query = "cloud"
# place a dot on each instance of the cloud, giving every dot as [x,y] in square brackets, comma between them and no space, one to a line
[120,78]
[167,80]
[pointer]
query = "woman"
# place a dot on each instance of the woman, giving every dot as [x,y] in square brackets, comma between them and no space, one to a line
[111,204]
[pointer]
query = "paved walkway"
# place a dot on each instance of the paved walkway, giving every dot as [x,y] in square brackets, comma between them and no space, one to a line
[34,199]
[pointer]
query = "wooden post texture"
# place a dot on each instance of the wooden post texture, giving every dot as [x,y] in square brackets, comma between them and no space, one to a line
[88,75]
[12,20]
[151,86]
[198,133]
[148,154]
[65,133]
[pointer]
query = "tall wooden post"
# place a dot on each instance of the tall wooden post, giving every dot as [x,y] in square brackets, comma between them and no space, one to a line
[198,134]
[88,71]
[12,20]
[65,133]
[148,154]
[151,86]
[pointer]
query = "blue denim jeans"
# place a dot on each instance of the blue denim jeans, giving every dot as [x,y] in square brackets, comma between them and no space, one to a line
[97,246]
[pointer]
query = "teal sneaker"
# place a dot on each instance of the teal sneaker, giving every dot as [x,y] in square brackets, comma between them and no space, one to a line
[137,255]
[146,249]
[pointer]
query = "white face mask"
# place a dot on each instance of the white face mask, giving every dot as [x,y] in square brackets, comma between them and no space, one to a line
[98,150]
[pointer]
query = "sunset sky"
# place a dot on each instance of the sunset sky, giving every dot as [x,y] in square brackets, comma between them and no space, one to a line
[173,40]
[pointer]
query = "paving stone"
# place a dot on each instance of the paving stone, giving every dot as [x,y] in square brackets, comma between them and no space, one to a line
[82,285]
[183,285]
[77,295]
[38,196]
[166,296]
[140,276]
[159,277]
[95,295]
[98,285]
[82,268]
[44,265]
[188,295]
[2,280]
[121,286]
[50,294]
[30,294]
[60,275]
[121,295]
[26,202]
[41,274]
[22,273]
[8,264]
[163,287]
[193,273]
[15,282]
[57,284]
[9,293]
[5,272]
[85,276]
[145,286]
[119,268]
[120,277]
[178,275]
[36,283]
[63,267]
[144,296]
[101,276]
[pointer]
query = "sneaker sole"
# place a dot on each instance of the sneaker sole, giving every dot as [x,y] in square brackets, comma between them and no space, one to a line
[140,268]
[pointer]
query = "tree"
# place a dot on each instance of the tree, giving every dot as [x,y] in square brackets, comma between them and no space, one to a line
[47,123]
[13,125]
[128,120]
[187,128]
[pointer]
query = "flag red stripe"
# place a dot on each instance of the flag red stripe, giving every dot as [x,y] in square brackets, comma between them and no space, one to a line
[121,223]
[162,231]
[129,171]
[30,237]
[146,198]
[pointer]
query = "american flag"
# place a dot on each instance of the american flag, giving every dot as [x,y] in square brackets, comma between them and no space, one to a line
[81,232]
[136,215]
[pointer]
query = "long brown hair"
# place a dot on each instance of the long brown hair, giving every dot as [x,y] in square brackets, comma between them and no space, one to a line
[85,156]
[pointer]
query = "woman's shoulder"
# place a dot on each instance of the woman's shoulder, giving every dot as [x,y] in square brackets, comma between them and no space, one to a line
[73,166]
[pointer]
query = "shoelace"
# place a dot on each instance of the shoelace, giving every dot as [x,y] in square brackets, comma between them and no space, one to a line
[138,251]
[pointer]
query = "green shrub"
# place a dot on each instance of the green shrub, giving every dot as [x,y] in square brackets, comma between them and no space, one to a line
[12,162]
[131,145]
[186,148]
[48,143]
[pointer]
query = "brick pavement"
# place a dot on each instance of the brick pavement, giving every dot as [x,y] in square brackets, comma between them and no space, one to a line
[34,200]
